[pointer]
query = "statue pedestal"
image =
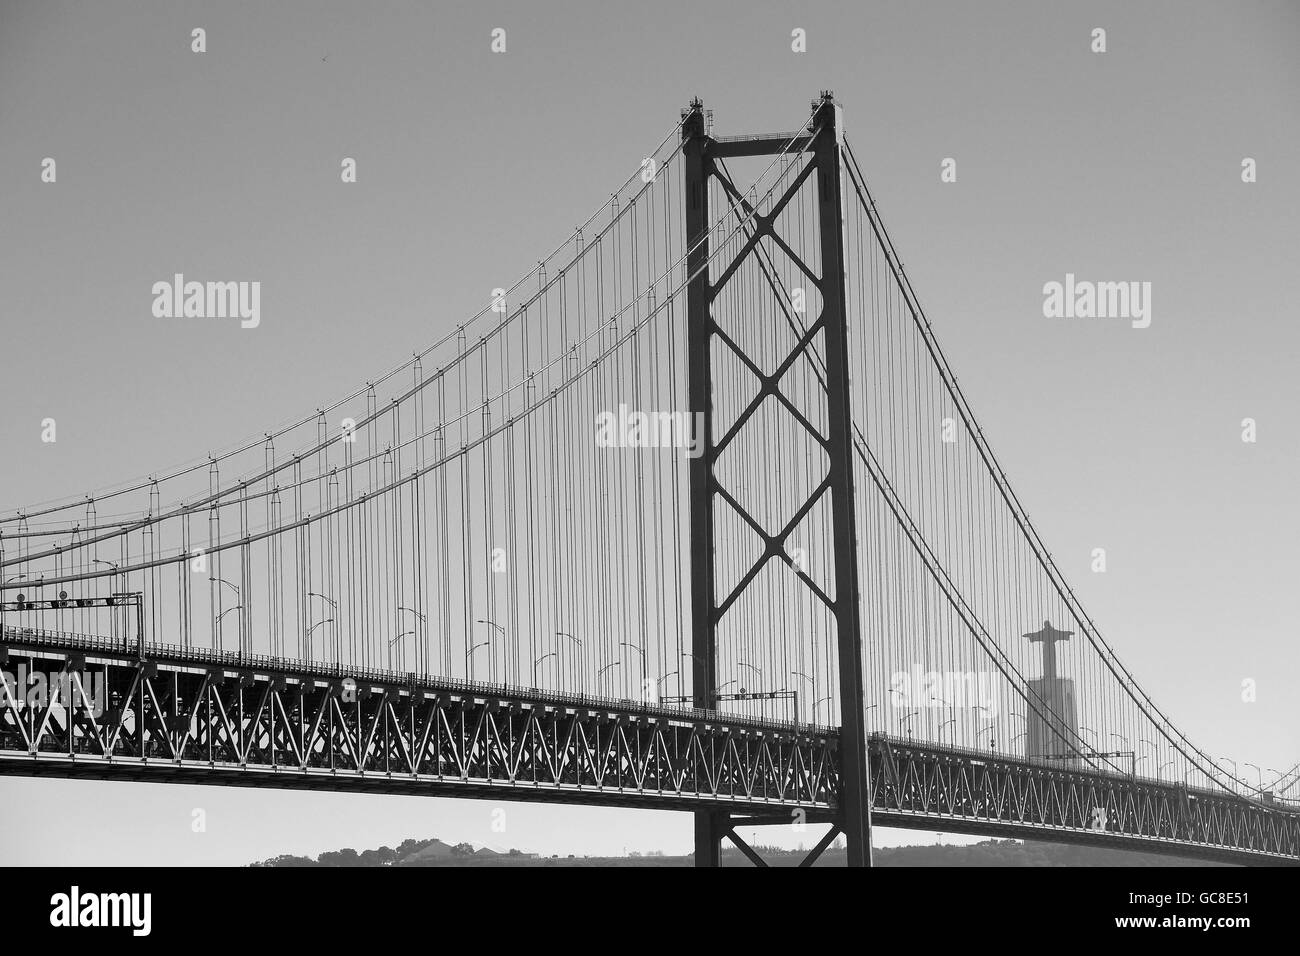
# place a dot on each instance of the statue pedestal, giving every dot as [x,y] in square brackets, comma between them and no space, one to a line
[1053,733]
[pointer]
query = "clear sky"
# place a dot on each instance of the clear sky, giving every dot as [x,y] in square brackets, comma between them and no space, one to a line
[1123,165]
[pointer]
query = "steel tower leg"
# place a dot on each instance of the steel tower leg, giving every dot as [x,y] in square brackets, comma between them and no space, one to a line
[855,808]
[710,826]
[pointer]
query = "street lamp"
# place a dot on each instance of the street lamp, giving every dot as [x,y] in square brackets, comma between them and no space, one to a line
[307,636]
[227,584]
[420,617]
[812,686]
[394,641]
[497,627]
[601,672]
[216,625]
[640,651]
[951,720]
[903,721]
[328,601]
[116,570]
[493,624]
[554,654]
[659,692]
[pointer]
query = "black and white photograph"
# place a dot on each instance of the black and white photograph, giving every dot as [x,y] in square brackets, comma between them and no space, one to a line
[583,436]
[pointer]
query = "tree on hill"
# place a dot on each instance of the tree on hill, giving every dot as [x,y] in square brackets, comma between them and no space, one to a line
[287,859]
[409,846]
[345,857]
[383,856]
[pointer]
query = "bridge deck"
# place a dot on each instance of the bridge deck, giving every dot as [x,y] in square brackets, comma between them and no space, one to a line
[213,718]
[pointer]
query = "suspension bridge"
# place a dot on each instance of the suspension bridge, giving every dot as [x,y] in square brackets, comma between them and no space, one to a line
[694,516]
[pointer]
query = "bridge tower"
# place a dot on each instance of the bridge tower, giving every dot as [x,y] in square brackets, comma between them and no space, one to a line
[821,143]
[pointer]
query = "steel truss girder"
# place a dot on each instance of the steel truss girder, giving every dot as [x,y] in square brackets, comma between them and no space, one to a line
[178,720]
[918,786]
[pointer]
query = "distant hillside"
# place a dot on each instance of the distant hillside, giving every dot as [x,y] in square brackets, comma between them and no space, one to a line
[988,853]
[410,853]
[1014,853]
